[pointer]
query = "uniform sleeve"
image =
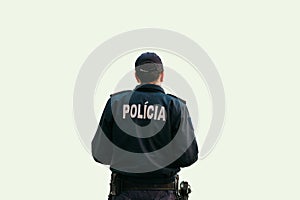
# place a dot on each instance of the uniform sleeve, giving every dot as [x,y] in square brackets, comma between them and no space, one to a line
[185,145]
[101,145]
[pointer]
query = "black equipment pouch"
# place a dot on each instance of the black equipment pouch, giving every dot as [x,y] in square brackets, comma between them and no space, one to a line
[115,186]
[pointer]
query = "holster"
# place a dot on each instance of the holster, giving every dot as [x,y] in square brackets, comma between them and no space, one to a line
[183,191]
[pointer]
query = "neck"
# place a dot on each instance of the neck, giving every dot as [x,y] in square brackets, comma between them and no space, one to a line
[154,82]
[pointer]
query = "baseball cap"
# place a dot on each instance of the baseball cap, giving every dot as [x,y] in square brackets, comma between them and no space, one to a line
[148,62]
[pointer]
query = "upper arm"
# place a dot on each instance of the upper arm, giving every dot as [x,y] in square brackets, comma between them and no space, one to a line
[101,144]
[185,141]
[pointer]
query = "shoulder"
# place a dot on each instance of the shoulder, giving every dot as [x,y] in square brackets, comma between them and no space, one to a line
[120,93]
[175,97]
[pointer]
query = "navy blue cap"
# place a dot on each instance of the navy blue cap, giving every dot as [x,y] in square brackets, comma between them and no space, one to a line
[148,62]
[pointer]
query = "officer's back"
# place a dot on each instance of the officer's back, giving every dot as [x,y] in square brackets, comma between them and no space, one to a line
[143,122]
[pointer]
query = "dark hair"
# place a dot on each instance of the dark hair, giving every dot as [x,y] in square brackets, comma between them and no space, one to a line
[147,77]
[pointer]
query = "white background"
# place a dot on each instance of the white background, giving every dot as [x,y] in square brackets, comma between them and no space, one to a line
[254,44]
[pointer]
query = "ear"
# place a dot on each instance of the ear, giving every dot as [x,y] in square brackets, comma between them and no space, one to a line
[137,78]
[162,77]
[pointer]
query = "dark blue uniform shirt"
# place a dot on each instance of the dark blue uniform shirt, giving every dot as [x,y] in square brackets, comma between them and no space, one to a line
[122,122]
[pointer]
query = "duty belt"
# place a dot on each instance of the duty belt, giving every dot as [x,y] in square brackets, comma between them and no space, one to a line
[127,186]
[118,185]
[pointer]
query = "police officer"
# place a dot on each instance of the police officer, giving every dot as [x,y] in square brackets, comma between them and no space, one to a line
[143,121]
